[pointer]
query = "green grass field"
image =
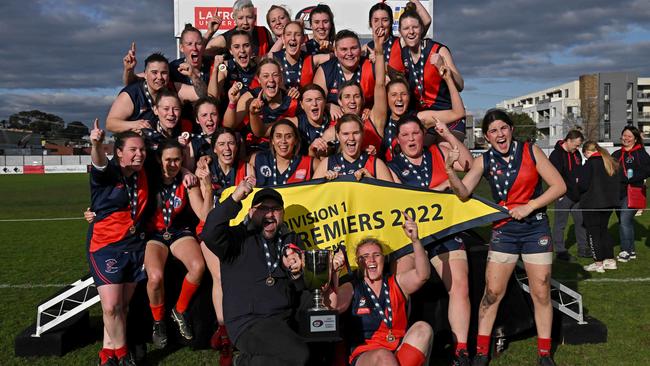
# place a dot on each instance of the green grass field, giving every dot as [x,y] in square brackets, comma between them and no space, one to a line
[52,252]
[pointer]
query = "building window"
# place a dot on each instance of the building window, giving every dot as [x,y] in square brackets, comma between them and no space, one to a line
[566,93]
[553,112]
[607,90]
[606,111]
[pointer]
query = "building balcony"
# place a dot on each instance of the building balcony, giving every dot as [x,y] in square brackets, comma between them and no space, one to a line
[643,116]
[643,96]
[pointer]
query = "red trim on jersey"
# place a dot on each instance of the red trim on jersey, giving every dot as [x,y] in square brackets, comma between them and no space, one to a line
[291,111]
[303,171]
[371,166]
[395,60]
[115,227]
[158,221]
[368,82]
[187,125]
[524,186]
[262,38]
[400,322]
[438,169]
[370,135]
[389,152]
[432,81]
[307,71]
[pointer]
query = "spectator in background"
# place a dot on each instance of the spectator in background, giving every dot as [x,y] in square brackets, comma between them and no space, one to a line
[567,160]
[598,185]
[635,168]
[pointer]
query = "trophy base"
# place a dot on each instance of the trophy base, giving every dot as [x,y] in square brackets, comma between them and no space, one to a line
[319,326]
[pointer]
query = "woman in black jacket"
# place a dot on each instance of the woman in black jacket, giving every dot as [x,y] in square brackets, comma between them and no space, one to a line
[598,184]
[635,168]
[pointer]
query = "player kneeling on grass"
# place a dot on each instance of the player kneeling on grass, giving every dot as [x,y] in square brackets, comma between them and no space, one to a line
[378,307]
[115,243]
[169,231]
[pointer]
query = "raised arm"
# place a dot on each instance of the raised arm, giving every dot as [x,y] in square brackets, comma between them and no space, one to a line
[457,110]
[423,13]
[380,107]
[97,154]
[465,157]
[129,62]
[411,280]
[237,107]
[217,233]
[118,116]
[463,189]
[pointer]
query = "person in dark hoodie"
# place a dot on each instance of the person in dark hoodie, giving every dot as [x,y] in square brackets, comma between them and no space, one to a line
[635,168]
[567,160]
[599,185]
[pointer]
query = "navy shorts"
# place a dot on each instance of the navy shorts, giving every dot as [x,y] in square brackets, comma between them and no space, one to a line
[530,236]
[117,264]
[445,245]
[175,234]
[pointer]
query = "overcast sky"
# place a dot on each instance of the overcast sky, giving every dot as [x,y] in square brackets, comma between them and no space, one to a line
[65,56]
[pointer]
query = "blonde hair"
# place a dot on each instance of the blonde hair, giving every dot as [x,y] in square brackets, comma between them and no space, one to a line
[369,240]
[611,165]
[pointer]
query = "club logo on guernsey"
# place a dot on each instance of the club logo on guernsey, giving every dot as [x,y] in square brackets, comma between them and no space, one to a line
[362,301]
[301,173]
[110,266]
[177,202]
[405,172]
[266,171]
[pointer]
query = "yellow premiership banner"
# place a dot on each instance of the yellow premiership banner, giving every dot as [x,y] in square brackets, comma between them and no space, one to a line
[344,211]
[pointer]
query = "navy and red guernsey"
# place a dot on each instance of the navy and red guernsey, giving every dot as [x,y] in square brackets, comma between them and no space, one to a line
[370,135]
[430,91]
[429,174]
[238,74]
[111,202]
[221,181]
[299,74]
[177,202]
[142,102]
[334,78]
[513,183]
[288,108]
[392,53]
[205,71]
[337,163]
[367,329]
[267,174]
[261,40]
[308,132]
[389,141]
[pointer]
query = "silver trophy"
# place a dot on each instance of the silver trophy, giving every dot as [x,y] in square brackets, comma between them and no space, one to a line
[317,275]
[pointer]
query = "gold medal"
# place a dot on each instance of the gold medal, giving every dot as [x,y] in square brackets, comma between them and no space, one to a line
[390,337]
[270,281]
[167,235]
[132,229]
[222,67]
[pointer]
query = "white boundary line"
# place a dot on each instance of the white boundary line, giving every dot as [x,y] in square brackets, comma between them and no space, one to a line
[46,219]
[32,285]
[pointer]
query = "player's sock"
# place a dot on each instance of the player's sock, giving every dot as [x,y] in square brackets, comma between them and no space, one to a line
[543,346]
[483,344]
[158,311]
[121,352]
[187,291]
[461,346]
[105,354]
[408,355]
